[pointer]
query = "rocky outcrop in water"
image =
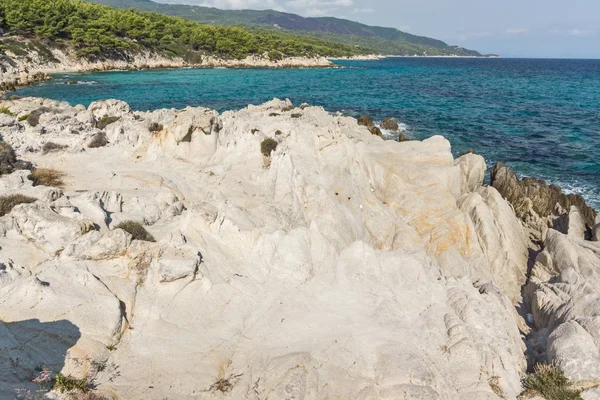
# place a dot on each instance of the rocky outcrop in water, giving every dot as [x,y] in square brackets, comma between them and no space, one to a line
[390,124]
[385,269]
[533,198]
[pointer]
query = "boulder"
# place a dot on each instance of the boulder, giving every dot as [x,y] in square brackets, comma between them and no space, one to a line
[365,120]
[376,131]
[390,124]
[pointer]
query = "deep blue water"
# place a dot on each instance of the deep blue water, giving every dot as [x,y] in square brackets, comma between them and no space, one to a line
[542,117]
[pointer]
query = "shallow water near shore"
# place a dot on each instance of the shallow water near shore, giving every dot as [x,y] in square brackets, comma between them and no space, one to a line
[541,117]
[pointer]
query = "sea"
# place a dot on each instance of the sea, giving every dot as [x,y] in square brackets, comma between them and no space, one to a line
[540,117]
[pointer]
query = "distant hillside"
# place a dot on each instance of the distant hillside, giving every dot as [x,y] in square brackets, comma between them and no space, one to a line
[99,32]
[380,39]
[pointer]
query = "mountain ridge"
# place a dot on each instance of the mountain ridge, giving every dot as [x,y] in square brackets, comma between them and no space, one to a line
[384,40]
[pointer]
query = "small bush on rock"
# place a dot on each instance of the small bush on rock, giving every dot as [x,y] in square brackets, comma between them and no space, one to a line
[23,117]
[99,140]
[155,127]
[136,230]
[268,146]
[8,158]
[64,383]
[105,121]
[46,177]
[6,110]
[551,383]
[51,147]
[7,203]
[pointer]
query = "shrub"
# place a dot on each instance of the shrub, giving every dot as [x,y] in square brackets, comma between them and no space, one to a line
[274,114]
[7,203]
[136,230]
[8,158]
[99,140]
[267,146]
[551,383]
[64,383]
[46,177]
[155,127]
[23,117]
[6,110]
[106,121]
[50,147]
[278,132]
[296,115]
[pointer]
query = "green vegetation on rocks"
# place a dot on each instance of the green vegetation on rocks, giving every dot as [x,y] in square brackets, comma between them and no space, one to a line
[550,382]
[136,230]
[268,146]
[97,32]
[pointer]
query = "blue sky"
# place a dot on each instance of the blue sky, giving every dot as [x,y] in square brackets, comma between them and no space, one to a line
[518,28]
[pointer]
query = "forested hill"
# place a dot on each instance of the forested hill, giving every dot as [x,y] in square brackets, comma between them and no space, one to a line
[96,31]
[380,39]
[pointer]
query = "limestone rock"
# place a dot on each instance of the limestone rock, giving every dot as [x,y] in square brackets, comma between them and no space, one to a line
[473,168]
[565,301]
[52,231]
[385,269]
[109,108]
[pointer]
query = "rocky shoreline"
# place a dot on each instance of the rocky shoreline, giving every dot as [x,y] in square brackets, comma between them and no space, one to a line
[28,67]
[281,252]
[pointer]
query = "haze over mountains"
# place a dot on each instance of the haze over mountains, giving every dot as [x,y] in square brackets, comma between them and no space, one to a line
[382,40]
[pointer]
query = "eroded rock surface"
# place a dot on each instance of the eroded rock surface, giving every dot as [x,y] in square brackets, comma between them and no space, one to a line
[347,267]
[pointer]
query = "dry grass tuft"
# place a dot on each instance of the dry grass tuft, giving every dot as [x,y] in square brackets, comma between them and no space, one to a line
[7,203]
[47,177]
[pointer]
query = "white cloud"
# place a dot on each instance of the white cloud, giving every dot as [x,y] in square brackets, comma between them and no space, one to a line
[303,7]
[241,4]
[307,4]
[363,11]
[516,31]
[582,32]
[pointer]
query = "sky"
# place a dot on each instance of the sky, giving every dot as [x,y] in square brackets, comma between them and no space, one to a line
[510,28]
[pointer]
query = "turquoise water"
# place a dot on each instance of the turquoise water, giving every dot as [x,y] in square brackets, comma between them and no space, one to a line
[542,117]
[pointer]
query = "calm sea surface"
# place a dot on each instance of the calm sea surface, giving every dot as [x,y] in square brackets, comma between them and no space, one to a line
[542,117]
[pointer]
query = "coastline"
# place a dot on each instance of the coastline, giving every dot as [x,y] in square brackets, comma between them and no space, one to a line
[26,69]
[374,57]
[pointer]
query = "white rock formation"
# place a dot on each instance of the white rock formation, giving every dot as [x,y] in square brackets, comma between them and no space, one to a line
[564,293]
[344,267]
